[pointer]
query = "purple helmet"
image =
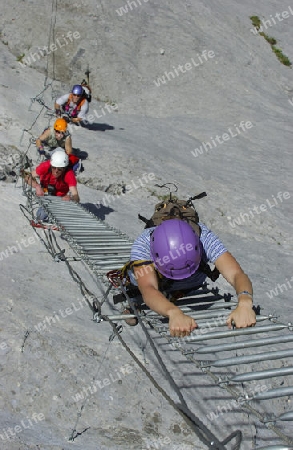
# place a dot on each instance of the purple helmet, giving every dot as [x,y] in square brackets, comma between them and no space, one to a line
[77,89]
[175,249]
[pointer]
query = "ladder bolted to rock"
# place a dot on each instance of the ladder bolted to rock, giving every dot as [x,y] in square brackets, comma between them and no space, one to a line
[104,248]
[101,246]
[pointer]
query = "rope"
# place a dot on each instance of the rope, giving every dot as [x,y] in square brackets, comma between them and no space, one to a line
[194,422]
[198,427]
[95,305]
[220,383]
[50,242]
[49,247]
[202,432]
[51,34]
[38,98]
[183,409]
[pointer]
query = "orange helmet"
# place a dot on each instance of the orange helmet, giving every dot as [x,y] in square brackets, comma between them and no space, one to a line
[60,125]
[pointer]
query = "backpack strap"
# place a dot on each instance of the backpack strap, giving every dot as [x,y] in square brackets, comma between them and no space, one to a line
[130,265]
[205,268]
[149,222]
[78,104]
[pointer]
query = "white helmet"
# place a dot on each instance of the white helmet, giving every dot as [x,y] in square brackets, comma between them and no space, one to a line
[59,158]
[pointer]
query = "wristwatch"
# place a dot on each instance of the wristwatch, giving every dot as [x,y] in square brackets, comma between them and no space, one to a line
[245,293]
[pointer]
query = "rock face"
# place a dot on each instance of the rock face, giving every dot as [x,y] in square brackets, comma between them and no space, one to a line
[182,58]
[183,92]
[11,160]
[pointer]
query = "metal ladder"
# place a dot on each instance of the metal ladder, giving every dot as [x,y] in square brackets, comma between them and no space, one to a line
[104,248]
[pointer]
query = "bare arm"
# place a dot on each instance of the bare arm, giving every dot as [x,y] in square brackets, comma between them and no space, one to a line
[61,101]
[243,315]
[74,196]
[68,145]
[30,178]
[75,119]
[42,139]
[180,324]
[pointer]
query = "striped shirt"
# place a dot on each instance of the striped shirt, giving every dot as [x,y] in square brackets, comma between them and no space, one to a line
[212,248]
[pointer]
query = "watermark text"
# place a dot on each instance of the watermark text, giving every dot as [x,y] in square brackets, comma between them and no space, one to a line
[221,139]
[129,6]
[45,51]
[101,384]
[280,288]
[257,210]
[7,433]
[273,20]
[198,61]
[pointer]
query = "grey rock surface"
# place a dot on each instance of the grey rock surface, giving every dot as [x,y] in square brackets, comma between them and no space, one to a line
[140,134]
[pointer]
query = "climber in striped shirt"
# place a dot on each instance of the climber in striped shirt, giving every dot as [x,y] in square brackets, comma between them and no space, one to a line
[172,257]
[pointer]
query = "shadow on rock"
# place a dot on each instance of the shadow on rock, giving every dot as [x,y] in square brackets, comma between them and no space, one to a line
[81,154]
[98,209]
[98,126]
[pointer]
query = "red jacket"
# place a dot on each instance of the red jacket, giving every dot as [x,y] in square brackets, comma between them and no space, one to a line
[61,184]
